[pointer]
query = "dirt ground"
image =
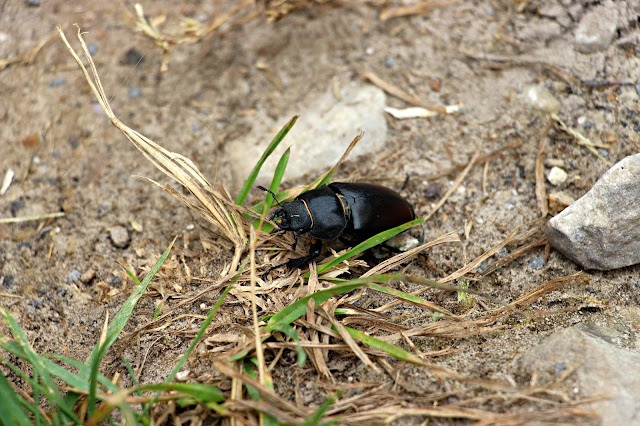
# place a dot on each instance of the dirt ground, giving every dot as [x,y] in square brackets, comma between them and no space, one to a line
[60,276]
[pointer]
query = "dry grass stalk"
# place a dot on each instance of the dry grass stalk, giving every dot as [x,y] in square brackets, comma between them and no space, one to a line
[541,193]
[581,139]
[215,205]
[542,241]
[455,185]
[420,8]
[29,57]
[481,159]
[267,394]
[381,268]
[21,219]
[400,94]
[346,337]
[512,238]
[189,35]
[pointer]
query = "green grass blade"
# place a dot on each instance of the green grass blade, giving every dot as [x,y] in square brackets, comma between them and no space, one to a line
[291,333]
[49,387]
[117,325]
[415,300]
[299,307]
[273,187]
[388,348]
[315,418]
[250,370]
[122,317]
[11,405]
[206,323]
[248,184]
[79,380]
[199,391]
[367,244]
[200,333]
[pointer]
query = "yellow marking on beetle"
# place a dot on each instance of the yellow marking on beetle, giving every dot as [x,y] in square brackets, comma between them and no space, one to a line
[345,209]
[308,211]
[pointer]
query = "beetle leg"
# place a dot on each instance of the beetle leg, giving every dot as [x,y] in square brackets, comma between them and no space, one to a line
[314,251]
[295,242]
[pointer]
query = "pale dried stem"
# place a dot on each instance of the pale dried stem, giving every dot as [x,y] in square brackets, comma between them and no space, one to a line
[220,211]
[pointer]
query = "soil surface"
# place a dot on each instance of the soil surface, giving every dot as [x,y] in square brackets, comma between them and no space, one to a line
[60,276]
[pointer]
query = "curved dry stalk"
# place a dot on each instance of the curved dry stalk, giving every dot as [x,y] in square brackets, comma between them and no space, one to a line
[214,204]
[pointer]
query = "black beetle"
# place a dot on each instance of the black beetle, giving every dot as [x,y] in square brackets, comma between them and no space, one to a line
[352,212]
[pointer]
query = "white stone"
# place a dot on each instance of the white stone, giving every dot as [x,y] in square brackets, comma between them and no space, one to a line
[601,230]
[325,129]
[557,176]
[541,98]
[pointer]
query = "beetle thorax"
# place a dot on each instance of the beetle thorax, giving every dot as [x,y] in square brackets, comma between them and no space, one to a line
[293,216]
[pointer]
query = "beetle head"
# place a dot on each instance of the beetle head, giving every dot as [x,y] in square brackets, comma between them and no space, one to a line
[293,216]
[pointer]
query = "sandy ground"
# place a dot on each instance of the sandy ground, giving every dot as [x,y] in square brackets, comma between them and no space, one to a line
[483,55]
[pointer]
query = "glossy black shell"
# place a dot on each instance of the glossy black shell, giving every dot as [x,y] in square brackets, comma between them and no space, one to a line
[356,210]
[372,209]
[327,213]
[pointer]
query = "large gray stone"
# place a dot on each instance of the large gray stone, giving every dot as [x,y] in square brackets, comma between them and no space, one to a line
[319,138]
[601,230]
[601,370]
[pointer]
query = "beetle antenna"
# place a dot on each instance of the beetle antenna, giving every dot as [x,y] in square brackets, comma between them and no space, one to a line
[270,192]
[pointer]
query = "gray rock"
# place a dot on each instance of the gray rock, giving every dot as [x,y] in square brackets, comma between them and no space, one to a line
[119,236]
[596,29]
[601,370]
[601,230]
[318,139]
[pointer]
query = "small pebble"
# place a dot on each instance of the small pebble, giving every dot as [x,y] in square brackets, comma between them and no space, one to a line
[132,57]
[116,281]
[369,51]
[36,303]
[432,190]
[536,263]
[403,242]
[16,206]
[389,62]
[8,280]
[603,152]
[101,209]
[45,231]
[92,48]
[557,176]
[88,276]
[554,162]
[183,375]
[33,3]
[73,275]
[57,82]
[559,367]
[134,92]
[638,89]
[542,99]
[119,236]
